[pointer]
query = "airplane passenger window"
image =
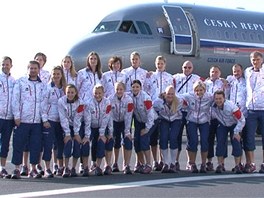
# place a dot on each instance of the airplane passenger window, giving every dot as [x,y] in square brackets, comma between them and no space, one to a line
[106,26]
[226,35]
[235,35]
[243,36]
[144,28]
[251,37]
[259,38]
[210,33]
[218,34]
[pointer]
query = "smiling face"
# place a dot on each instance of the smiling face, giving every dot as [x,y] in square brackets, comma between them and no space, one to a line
[67,63]
[98,94]
[70,93]
[256,62]
[6,66]
[120,90]
[92,60]
[219,100]
[56,76]
[199,91]
[237,71]
[160,65]
[170,94]
[33,70]
[215,73]
[135,61]
[136,88]
[187,68]
[116,66]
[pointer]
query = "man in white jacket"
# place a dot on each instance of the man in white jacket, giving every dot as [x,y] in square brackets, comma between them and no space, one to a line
[6,117]
[26,107]
[254,76]
[231,120]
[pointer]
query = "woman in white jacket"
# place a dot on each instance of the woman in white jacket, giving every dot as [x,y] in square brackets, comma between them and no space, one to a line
[198,117]
[122,111]
[143,121]
[169,110]
[75,141]
[52,131]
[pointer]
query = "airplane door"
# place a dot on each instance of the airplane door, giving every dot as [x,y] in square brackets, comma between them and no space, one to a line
[181,32]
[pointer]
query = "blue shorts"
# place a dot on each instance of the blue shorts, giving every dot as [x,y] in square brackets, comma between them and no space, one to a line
[141,142]
[192,136]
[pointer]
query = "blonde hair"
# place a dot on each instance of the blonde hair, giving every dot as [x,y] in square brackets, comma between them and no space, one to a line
[135,53]
[175,101]
[199,84]
[121,84]
[72,68]
[98,86]
[162,58]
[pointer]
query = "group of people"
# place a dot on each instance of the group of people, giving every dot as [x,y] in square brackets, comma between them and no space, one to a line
[66,115]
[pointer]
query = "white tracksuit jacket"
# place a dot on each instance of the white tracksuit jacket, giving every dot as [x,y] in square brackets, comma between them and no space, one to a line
[50,103]
[180,79]
[255,89]
[158,82]
[237,92]
[109,79]
[134,74]
[69,79]
[86,80]
[229,115]
[198,109]
[100,115]
[143,109]
[44,76]
[67,111]
[122,110]
[164,111]
[26,100]
[7,83]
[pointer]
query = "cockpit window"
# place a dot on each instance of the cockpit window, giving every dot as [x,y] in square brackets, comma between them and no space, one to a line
[107,26]
[144,28]
[128,26]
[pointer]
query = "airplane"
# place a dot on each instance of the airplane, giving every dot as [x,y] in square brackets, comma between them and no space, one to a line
[204,35]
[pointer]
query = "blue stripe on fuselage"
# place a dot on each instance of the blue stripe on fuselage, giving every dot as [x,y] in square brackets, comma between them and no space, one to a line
[216,43]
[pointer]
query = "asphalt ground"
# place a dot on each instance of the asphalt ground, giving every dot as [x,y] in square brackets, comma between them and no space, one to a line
[156,184]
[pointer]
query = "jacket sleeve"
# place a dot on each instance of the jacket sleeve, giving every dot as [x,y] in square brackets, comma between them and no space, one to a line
[87,121]
[105,118]
[77,121]
[238,115]
[45,106]
[64,118]
[148,85]
[104,82]
[158,104]
[150,114]
[128,116]
[110,126]
[16,101]
[79,80]
[213,111]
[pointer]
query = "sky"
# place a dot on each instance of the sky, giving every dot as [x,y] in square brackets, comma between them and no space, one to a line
[53,26]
